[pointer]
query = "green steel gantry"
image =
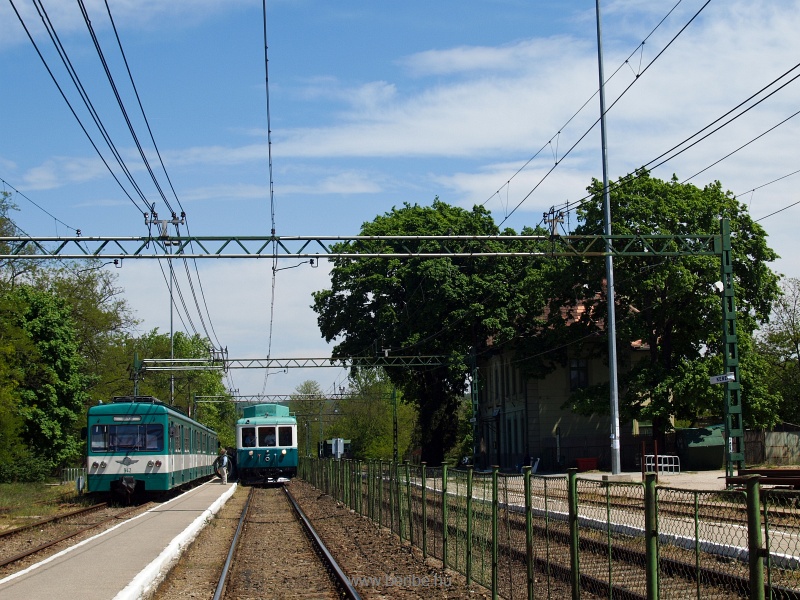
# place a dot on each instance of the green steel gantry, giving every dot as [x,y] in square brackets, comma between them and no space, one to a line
[166,247]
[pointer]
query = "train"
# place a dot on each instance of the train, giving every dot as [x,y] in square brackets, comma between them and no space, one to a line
[137,445]
[266,444]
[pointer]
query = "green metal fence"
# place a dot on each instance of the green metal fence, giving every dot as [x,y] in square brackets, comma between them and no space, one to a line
[527,536]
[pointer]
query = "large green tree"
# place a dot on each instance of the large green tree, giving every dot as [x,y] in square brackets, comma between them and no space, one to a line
[51,379]
[442,306]
[669,303]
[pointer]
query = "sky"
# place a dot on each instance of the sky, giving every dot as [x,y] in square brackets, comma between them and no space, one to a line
[365,106]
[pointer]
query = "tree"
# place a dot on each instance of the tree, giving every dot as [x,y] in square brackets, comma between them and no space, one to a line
[779,343]
[444,307]
[669,303]
[102,318]
[52,381]
[308,406]
[220,416]
[366,417]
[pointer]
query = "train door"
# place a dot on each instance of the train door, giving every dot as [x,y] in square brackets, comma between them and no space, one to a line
[171,453]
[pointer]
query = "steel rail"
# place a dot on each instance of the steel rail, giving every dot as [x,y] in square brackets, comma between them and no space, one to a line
[223,578]
[347,588]
[52,543]
[53,519]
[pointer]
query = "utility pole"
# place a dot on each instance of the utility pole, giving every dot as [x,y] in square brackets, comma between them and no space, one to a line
[611,324]
[163,225]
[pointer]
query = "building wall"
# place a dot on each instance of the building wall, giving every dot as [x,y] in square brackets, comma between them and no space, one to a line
[520,421]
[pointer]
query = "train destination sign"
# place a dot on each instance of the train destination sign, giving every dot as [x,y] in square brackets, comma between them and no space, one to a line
[722,378]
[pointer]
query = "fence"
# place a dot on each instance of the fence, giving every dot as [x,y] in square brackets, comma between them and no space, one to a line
[528,536]
[76,475]
[667,463]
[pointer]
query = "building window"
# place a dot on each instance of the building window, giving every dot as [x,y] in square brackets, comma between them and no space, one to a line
[578,374]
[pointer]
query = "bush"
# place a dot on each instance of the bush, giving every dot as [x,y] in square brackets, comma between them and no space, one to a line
[27,469]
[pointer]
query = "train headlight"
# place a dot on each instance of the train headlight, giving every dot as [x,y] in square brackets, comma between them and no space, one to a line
[158,463]
[150,463]
[102,464]
[250,453]
[283,451]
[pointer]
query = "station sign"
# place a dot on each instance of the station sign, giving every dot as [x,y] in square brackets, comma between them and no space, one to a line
[722,378]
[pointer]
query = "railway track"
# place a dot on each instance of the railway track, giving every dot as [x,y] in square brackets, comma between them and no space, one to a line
[41,538]
[276,552]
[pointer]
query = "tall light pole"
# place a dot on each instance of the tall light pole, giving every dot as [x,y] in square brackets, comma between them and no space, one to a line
[611,325]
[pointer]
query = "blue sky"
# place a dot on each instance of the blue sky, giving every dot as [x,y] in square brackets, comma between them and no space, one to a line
[373,104]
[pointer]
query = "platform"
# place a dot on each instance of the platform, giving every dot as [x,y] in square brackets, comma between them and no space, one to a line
[126,561]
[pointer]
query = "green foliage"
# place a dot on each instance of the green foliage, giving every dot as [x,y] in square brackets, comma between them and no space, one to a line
[26,469]
[778,347]
[51,379]
[220,416]
[425,306]
[366,417]
[668,302]
[465,440]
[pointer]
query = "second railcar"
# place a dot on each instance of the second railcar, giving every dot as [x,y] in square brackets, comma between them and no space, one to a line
[138,444]
[266,444]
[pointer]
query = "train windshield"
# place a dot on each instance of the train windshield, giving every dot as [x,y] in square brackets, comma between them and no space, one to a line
[127,437]
[266,436]
[284,436]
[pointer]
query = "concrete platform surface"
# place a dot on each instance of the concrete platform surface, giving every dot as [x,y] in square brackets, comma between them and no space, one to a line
[126,561]
[690,480]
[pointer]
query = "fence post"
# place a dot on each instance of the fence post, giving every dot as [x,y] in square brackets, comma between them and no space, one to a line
[424,510]
[495,511]
[650,536]
[398,499]
[572,504]
[526,475]
[469,526]
[410,506]
[445,529]
[380,493]
[754,542]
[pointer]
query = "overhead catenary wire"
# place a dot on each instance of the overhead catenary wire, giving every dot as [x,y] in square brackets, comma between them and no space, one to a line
[78,119]
[690,141]
[557,136]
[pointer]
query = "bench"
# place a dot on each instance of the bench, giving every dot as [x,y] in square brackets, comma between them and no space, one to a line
[789,477]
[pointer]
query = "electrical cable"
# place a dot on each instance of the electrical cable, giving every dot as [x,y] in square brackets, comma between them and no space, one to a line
[77,118]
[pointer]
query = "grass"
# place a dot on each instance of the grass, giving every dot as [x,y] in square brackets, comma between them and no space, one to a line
[21,503]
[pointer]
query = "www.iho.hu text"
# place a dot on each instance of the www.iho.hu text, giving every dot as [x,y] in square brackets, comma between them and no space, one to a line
[405,581]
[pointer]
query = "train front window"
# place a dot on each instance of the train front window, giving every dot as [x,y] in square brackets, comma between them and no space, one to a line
[127,437]
[266,436]
[284,436]
[248,437]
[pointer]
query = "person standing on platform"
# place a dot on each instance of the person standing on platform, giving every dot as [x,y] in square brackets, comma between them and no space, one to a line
[224,465]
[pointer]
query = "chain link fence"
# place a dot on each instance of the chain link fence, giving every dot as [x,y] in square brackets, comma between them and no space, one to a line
[554,537]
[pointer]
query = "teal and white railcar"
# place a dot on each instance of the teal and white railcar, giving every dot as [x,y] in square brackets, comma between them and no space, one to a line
[266,444]
[137,444]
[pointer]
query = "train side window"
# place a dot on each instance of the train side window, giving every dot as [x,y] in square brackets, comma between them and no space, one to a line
[266,436]
[154,437]
[248,437]
[284,436]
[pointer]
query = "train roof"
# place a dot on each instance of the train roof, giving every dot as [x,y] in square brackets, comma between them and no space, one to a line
[265,410]
[139,405]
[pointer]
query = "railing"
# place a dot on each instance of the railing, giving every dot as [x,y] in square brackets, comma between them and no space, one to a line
[76,475]
[666,463]
[528,536]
